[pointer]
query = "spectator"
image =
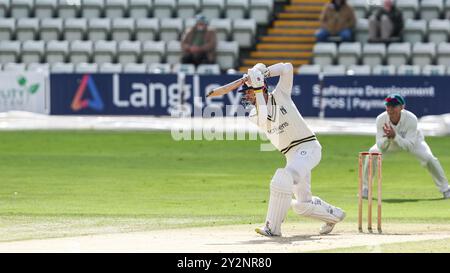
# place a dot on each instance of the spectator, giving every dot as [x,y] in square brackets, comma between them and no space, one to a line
[385,23]
[199,43]
[337,18]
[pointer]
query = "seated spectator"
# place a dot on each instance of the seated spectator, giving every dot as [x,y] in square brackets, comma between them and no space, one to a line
[199,43]
[337,19]
[385,23]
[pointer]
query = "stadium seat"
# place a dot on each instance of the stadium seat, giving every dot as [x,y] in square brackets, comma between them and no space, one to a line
[433,70]
[362,30]
[373,54]
[129,52]
[398,53]
[212,8]
[92,8]
[187,8]
[244,31]
[324,53]
[438,31]
[208,69]
[174,52]
[153,51]
[122,29]
[360,7]
[62,68]
[116,8]
[4,8]
[261,11]
[236,9]
[188,23]
[32,51]
[447,9]
[7,28]
[98,29]
[334,70]
[409,8]
[443,54]
[57,51]
[147,29]
[75,29]
[110,68]
[414,31]
[105,52]
[140,8]
[408,70]
[81,51]
[86,68]
[9,51]
[359,70]
[159,68]
[21,8]
[349,53]
[45,8]
[67,10]
[134,68]
[383,70]
[423,54]
[163,8]
[51,29]
[188,69]
[37,67]
[222,27]
[306,69]
[227,54]
[27,29]
[431,9]
[14,67]
[171,29]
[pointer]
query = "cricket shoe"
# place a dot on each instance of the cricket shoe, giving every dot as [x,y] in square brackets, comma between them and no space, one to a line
[447,194]
[266,232]
[328,227]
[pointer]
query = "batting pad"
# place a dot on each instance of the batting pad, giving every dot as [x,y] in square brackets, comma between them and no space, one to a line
[318,209]
[280,200]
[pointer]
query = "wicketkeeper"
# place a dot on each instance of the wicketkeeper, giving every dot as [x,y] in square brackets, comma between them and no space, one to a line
[397,130]
[276,114]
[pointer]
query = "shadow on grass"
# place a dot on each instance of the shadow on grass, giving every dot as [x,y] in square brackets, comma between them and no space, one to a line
[394,201]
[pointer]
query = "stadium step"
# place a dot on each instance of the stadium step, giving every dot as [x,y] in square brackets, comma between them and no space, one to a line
[277,54]
[304,16]
[288,39]
[295,62]
[291,36]
[297,24]
[309,1]
[281,47]
[304,8]
[291,31]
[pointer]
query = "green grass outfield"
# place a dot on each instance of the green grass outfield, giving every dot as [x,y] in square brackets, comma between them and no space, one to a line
[82,182]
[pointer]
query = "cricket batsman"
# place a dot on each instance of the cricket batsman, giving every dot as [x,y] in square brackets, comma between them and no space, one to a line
[276,114]
[397,130]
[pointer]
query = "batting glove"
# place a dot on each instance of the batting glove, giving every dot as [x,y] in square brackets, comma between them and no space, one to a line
[263,69]
[256,78]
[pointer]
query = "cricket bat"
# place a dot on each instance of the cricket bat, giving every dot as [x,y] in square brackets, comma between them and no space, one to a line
[227,88]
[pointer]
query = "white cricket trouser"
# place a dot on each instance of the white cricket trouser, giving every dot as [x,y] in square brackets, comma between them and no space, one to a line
[423,153]
[299,164]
